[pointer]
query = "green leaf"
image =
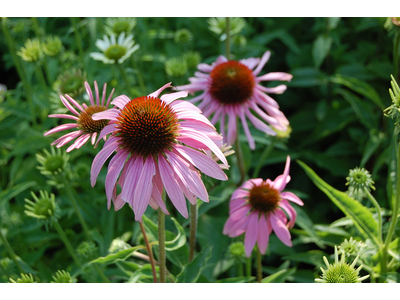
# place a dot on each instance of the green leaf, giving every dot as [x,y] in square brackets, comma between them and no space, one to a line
[313,257]
[192,270]
[303,221]
[279,276]
[241,279]
[144,274]
[320,50]
[10,193]
[112,258]
[360,215]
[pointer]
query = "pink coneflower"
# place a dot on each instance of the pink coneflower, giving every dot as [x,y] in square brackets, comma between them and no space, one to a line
[87,127]
[258,207]
[159,141]
[232,89]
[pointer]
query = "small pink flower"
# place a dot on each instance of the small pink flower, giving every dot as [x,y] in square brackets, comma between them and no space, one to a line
[231,88]
[258,207]
[87,127]
[159,143]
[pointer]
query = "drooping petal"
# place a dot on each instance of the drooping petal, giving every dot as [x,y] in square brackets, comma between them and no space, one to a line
[263,234]
[63,116]
[290,211]
[68,105]
[263,61]
[131,180]
[109,114]
[280,229]
[100,159]
[89,92]
[292,197]
[121,101]
[275,76]
[114,169]
[168,98]
[72,100]
[280,182]
[251,233]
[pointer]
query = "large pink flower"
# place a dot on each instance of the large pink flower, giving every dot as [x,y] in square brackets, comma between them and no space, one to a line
[258,207]
[231,88]
[159,143]
[87,127]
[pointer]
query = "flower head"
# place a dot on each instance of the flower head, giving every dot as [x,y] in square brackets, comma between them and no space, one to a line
[358,179]
[192,59]
[52,46]
[43,208]
[63,277]
[71,82]
[119,24]
[231,89]
[159,142]
[258,207]
[218,25]
[114,51]
[25,278]
[53,163]
[176,67]
[340,271]
[393,111]
[32,51]
[183,36]
[351,247]
[83,121]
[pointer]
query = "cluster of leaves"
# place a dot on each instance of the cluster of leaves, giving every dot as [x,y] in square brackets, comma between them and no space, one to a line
[341,69]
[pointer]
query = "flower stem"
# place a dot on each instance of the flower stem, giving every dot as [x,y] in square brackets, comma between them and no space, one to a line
[193,229]
[240,268]
[396,54]
[124,75]
[239,156]
[152,263]
[248,266]
[77,38]
[259,266]
[10,251]
[228,38]
[264,155]
[161,245]
[76,208]
[140,78]
[378,209]
[67,244]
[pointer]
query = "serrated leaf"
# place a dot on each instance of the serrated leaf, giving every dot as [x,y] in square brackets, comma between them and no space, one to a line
[361,216]
[191,272]
[112,258]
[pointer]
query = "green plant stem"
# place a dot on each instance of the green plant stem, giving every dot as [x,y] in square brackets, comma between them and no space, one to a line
[396,45]
[240,268]
[77,38]
[395,214]
[259,266]
[20,69]
[124,75]
[39,35]
[240,162]
[193,229]
[264,155]
[10,251]
[152,262]
[228,39]
[248,266]
[76,208]
[67,244]
[140,77]
[378,209]
[161,245]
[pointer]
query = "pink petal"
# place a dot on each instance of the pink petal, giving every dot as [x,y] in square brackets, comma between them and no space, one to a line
[61,128]
[94,135]
[263,61]
[118,203]
[106,130]
[221,59]
[280,229]
[157,191]
[103,98]
[79,142]
[144,188]
[100,159]
[168,98]
[275,76]
[89,92]
[109,114]
[250,62]
[240,194]
[171,186]
[96,89]
[77,105]
[232,129]
[250,139]
[114,168]
[251,233]
[260,125]
[193,115]
[68,105]
[205,68]
[292,197]
[158,92]
[273,90]
[67,138]
[290,211]
[236,204]
[263,234]
[181,105]
[131,181]
[235,227]
[109,98]
[281,181]
[64,116]
[121,101]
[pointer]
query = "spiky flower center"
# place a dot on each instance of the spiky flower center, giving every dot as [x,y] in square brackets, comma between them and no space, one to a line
[231,83]
[147,126]
[87,124]
[264,198]
[45,207]
[341,272]
[54,163]
[115,52]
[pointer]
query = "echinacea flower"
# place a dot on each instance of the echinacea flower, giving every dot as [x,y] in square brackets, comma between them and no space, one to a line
[118,25]
[86,126]
[32,51]
[159,143]
[258,207]
[231,88]
[115,51]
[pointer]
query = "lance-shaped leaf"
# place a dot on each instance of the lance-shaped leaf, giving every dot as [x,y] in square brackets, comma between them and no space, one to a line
[112,258]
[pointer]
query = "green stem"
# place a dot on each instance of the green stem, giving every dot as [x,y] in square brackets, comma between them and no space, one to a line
[228,38]
[264,155]
[77,38]
[240,161]
[161,245]
[378,209]
[20,69]
[76,208]
[140,78]
[152,262]
[396,45]
[10,251]
[259,266]
[39,35]
[248,266]
[240,268]
[67,244]
[193,229]
[124,75]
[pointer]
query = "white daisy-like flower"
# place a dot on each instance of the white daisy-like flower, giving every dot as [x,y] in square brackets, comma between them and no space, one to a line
[115,51]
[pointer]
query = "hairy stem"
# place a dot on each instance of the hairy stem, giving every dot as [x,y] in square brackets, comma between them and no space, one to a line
[161,245]
[148,247]
[259,266]
[193,229]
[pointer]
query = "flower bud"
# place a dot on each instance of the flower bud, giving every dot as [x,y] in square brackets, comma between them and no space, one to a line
[32,51]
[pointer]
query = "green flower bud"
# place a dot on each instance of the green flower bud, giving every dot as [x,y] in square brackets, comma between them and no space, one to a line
[218,25]
[340,271]
[175,67]
[32,51]
[237,250]
[239,41]
[63,277]
[53,163]
[118,25]
[25,278]
[357,180]
[71,82]
[43,208]
[283,134]
[351,247]
[118,245]
[52,46]
[393,111]
[183,36]
[192,59]
[87,251]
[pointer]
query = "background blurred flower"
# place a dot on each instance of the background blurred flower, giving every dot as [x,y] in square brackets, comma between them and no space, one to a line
[175,67]
[232,89]
[52,46]
[183,36]
[32,51]
[114,51]
[119,24]
[149,134]
[258,207]
[63,277]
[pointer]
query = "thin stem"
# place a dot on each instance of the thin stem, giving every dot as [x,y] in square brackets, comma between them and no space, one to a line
[378,209]
[259,266]
[77,38]
[10,251]
[239,156]
[228,38]
[77,210]
[396,45]
[140,77]
[152,263]
[240,268]
[264,155]
[124,75]
[248,266]
[67,244]
[193,229]
[161,245]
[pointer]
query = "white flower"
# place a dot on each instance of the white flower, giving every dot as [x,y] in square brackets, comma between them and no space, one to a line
[115,51]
